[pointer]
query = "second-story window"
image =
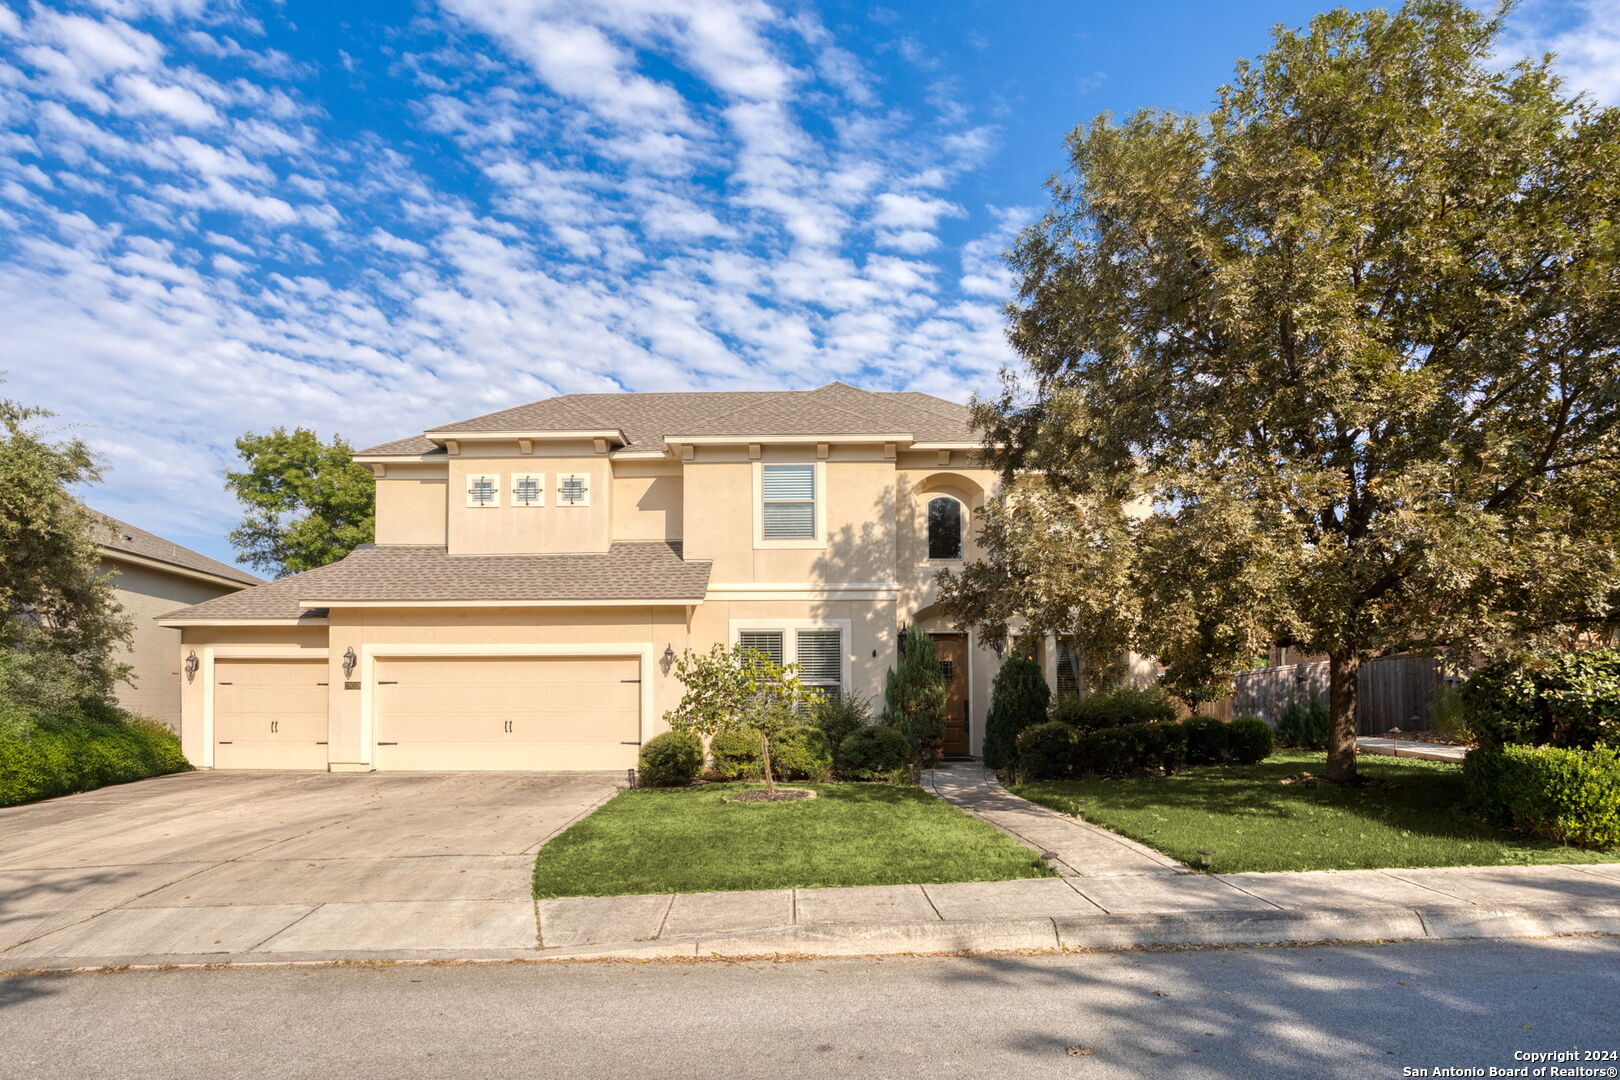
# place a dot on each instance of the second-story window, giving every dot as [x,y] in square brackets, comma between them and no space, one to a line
[573,489]
[789,510]
[483,489]
[528,490]
[944,528]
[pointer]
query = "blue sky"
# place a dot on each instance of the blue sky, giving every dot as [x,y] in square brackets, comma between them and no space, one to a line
[369,218]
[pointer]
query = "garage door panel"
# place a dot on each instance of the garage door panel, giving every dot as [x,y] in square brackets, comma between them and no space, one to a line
[270,714]
[507,713]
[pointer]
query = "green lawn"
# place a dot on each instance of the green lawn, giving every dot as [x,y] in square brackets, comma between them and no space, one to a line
[691,840]
[1253,822]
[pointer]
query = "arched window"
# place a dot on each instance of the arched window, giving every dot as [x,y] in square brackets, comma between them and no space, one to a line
[944,528]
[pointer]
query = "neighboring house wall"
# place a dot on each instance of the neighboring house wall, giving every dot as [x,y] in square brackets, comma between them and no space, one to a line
[145,594]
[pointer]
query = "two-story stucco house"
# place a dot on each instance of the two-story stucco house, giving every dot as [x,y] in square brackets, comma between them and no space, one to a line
[536,570]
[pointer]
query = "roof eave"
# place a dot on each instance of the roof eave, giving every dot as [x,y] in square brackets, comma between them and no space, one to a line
[656,601]
[164,565]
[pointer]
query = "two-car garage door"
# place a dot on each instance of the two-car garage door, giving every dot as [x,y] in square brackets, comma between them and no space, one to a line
[437,713]
[519,712]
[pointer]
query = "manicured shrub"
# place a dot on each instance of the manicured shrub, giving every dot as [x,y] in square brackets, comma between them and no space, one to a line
[1303,723]
[840,715]
[1249,740]
[876,752]
[1048,751]
[672,759]
[801,753]
[43,755]
[735,755]
[1116,706]
[1018,699]
[1571,795]
[1208,742]
[1571,700]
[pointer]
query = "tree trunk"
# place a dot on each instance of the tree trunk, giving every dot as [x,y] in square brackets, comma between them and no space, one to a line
[765,760]
[1343,667]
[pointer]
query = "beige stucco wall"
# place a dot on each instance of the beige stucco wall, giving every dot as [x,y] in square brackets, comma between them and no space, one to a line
[411,504]
[145,593]
[648,501]
[525,530]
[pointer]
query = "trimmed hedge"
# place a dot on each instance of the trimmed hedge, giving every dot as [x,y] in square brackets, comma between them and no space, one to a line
[839,716]
[874,752]
[1018,700]
[1304,722]
[1572,699]
[798,753]
[1566,794]
[1251,740]
[1115,706]
[44,756]
[673,759]
[1056,751]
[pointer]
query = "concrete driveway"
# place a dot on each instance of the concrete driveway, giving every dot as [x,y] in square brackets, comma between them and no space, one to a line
[284,863]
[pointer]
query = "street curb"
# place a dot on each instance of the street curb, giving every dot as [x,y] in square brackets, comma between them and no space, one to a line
[1102,932]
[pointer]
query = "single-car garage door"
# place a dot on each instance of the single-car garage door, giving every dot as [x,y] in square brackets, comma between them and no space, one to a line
[270,714]
[526,712]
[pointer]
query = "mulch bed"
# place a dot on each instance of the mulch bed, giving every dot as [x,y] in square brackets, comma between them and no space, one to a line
[781,794]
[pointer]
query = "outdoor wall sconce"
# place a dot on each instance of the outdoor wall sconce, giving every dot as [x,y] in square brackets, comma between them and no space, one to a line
[349,660]
[668,660]
[192,664]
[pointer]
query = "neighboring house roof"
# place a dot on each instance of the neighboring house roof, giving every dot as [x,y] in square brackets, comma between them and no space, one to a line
[647,419]
[122,538]
[629,572]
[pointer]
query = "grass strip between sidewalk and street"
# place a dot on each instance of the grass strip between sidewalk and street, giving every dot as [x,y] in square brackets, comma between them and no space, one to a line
[1252,821]
[661,840]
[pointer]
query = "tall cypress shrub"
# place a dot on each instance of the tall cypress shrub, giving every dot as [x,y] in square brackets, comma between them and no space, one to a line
[914,696]
[1018,699]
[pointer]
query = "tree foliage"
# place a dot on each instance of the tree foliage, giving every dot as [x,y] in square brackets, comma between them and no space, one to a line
[1019,698]
[914,698]
[60,628]
[308,503]
[735,690]
[1346,347]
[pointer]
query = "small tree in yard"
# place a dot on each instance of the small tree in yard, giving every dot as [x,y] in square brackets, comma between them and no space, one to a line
[914,696]
[1350,343]
[738,689]
[1018,699]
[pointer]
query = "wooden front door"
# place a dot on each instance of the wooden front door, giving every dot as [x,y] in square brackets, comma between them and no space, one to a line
[951,652]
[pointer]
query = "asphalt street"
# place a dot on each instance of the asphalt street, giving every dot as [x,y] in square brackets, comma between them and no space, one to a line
[1352,1011]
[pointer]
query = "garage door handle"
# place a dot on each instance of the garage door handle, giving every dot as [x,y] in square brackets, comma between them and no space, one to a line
[629,680]
[225,742]
[388,744]
[387,682]
[320,744]
[636,743]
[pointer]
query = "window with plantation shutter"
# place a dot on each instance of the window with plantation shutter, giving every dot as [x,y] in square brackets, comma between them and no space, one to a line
[820,656]
[768,642]
[789,502]
[1068,668]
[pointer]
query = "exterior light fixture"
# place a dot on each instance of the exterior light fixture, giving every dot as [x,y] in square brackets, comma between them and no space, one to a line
[668,660]
[349,660]
[192,664]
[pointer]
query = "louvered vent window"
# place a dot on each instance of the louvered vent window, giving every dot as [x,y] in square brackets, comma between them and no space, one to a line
[789,511]
[483,489]
[527,490]
[573,489]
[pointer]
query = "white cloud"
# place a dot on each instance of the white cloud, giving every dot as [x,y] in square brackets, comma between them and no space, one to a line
[1584,34]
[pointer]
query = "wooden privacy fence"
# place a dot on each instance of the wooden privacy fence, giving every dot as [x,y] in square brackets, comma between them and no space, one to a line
[1391,692]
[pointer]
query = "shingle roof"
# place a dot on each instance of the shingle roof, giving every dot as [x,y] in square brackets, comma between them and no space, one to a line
[121,536]
[631,571]
[646,419]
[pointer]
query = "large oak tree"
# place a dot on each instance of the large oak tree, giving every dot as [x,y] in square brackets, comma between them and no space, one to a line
[1351,337]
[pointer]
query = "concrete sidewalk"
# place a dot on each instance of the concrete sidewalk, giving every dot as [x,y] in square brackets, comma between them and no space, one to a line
[1410,748]
[1112,894]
